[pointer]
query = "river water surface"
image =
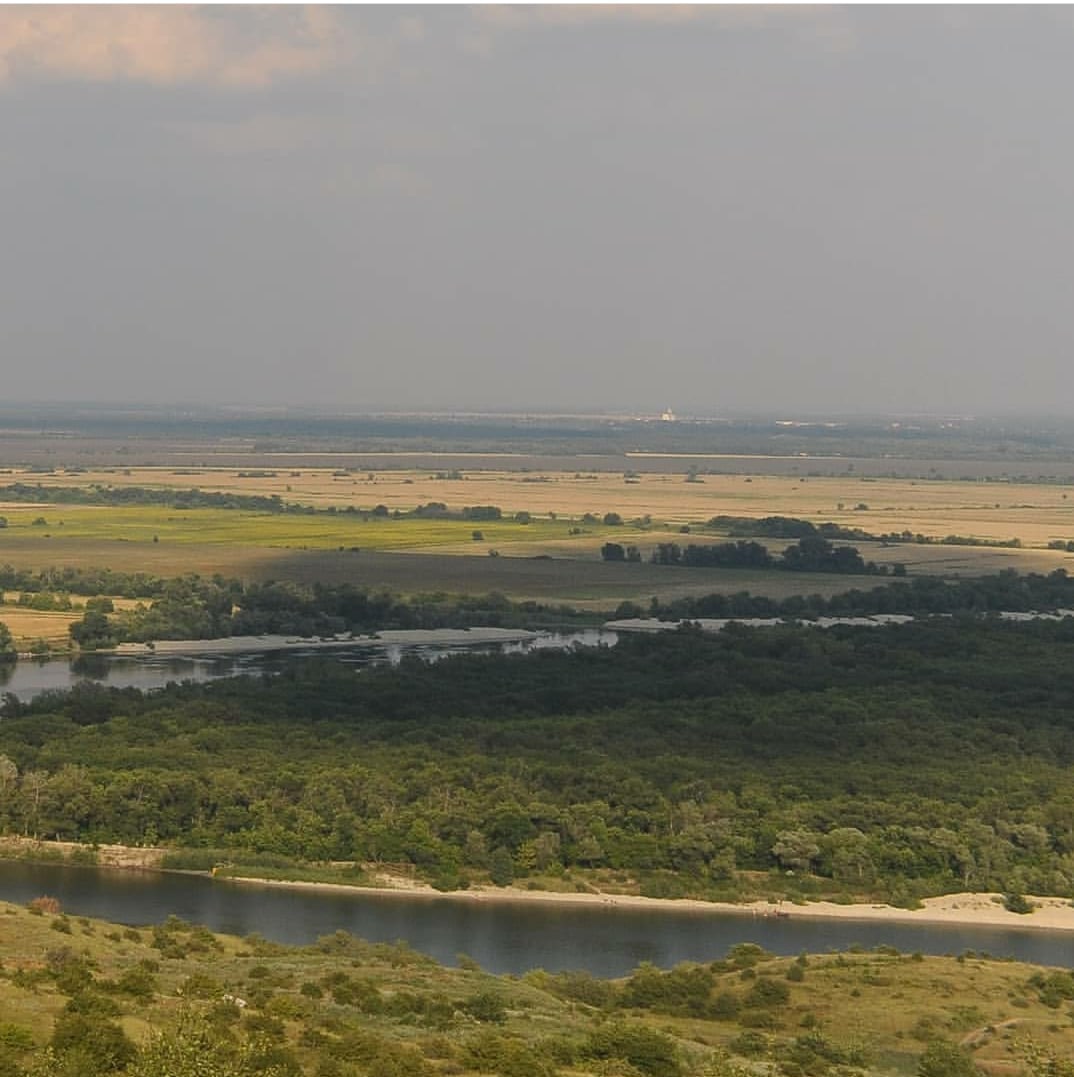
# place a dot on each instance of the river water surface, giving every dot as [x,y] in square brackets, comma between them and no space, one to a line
[504,937]
[28,678]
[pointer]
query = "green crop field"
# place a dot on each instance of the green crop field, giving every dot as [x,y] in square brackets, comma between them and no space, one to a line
[146,523]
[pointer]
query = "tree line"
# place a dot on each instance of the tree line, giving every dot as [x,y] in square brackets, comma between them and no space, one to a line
[811,553]
[192,607]
[792,527]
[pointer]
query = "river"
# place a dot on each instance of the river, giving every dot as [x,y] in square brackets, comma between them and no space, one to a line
[504,937]
[28,678]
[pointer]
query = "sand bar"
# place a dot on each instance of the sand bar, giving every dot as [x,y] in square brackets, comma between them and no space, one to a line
[965,909]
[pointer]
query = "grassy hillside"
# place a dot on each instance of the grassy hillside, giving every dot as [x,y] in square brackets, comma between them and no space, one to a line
[81,997]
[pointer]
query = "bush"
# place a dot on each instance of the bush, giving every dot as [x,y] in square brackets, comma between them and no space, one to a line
[493,1052]
[646,1049]
[137,982]
[752,1044]
[943,1059]
[103,1044]
[486,1006]
[1019,903]
[768,994]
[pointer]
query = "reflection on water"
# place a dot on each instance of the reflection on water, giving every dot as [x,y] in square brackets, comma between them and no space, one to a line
[92,667]
[29,677]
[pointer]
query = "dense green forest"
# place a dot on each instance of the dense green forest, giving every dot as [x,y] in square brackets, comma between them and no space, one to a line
[893,762]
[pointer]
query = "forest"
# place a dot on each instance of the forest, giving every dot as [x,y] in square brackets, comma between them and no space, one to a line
[887,763]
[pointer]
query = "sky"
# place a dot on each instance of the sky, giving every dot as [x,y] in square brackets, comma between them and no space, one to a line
[718,210]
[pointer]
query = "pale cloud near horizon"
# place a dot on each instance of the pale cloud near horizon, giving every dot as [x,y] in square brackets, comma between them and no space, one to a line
[254,47]
[596,206]
[169,45]
[809,21]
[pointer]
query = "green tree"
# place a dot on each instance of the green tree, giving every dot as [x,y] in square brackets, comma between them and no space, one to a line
[501,867]
[796,849]
[612,551]
[8,652]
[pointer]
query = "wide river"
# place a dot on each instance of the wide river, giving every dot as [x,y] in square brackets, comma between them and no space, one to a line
[503,936]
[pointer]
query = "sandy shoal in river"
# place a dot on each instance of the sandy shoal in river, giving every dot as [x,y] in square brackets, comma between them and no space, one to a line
[968,909]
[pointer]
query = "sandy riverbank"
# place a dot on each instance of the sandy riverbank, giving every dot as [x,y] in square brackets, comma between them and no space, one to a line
[966,909]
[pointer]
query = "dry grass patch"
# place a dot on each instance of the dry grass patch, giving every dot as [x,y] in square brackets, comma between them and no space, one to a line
[27,626]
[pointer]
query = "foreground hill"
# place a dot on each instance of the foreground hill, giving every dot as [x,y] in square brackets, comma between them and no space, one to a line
[79,998]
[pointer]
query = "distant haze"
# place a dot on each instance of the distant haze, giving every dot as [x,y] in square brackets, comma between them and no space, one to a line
[714,210]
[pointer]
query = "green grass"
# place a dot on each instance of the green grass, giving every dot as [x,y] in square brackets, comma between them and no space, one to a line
[237,528]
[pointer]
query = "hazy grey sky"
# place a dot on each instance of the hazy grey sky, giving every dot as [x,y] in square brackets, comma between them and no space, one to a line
[714,209]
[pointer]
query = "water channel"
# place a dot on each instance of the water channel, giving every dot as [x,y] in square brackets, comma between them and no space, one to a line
[504,937]
[28,677]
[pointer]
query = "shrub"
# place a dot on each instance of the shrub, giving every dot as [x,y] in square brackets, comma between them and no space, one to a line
[486,1006]
[943,1059]
[100,1042]
[493,1052]
[137,982]
[768,994]
[1019,903]
[646,1049]
[200,985]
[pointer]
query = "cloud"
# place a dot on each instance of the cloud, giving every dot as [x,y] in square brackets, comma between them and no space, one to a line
[825,26]
[166,46]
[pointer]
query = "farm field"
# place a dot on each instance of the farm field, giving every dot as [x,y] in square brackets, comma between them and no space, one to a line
[1034,513]
[589,584]
[241,528]
[541,560]
[27,626]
